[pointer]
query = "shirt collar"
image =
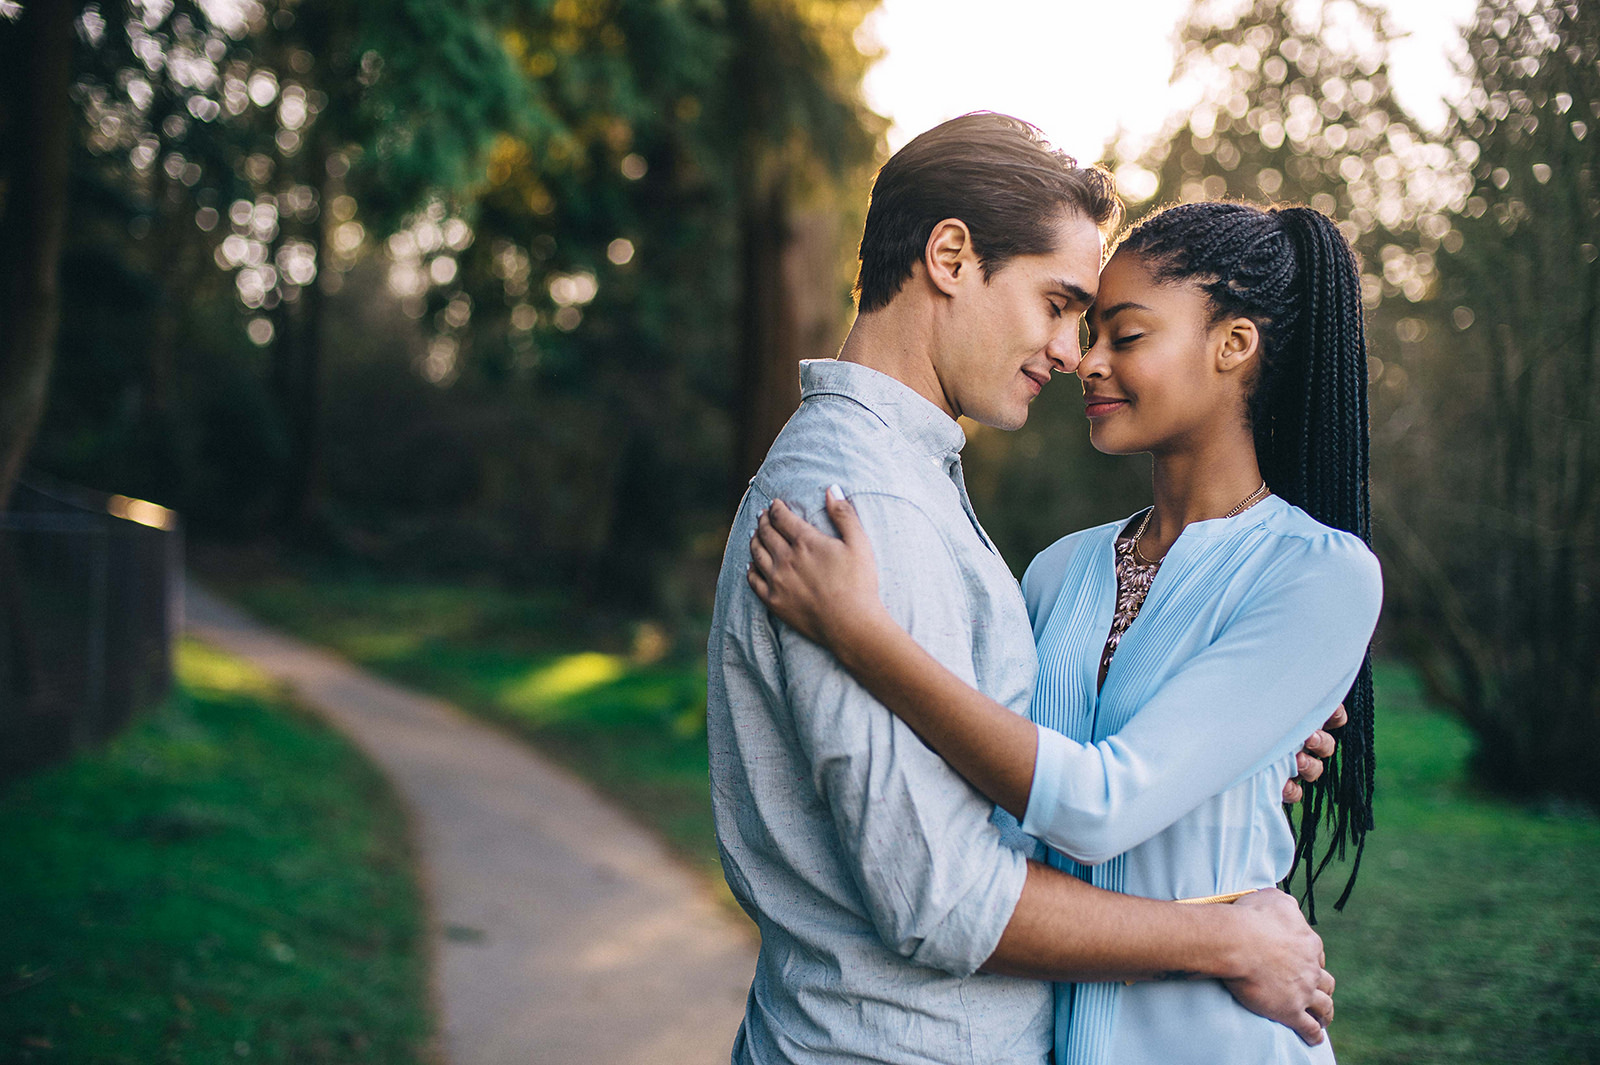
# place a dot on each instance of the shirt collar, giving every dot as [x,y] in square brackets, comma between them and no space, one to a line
[898,406]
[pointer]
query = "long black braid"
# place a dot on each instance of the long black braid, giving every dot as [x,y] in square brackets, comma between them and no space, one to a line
[1293,273]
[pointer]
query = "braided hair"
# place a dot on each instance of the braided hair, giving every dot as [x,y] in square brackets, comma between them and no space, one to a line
[1293,273]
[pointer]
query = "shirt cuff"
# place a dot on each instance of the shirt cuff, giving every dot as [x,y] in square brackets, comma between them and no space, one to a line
[967,935]
[1044,798]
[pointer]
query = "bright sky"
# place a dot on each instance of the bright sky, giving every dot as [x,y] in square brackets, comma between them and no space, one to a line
[1079,68]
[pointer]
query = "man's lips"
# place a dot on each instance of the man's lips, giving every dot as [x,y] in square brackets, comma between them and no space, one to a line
[1100,406]
[1036,380]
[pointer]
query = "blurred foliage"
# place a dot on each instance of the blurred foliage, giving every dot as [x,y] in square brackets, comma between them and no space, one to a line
[490,274]
[1493,507]
[238,138]
[1295,106]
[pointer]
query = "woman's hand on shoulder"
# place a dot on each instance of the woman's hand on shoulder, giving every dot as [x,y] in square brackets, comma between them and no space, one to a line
[824,588]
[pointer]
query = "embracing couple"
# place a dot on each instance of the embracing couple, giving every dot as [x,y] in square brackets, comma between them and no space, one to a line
[970,820]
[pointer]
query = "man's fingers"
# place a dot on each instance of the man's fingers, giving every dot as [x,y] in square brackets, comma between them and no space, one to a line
[1320,744]
[1309,1029]
[1321,1008]
[1292,793]
[844,515]
[1339,719]
[1309,768]
[1325,981]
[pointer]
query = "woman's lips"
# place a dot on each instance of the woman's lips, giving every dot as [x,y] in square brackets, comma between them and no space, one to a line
[1099,408]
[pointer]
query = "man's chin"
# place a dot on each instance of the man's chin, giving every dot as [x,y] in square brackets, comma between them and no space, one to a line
[1010,421]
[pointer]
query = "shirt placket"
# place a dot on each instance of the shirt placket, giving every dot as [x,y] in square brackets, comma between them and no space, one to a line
[952,466]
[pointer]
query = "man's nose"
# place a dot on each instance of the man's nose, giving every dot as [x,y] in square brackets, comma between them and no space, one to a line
[1063,352]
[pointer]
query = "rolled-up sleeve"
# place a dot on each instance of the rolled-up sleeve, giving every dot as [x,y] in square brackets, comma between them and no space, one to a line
[1274,673]
[938,882]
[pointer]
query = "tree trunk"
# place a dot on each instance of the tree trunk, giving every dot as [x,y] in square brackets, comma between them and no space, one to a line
[789,312]
[175,268]
[768,348]
[298,358]
[38,150]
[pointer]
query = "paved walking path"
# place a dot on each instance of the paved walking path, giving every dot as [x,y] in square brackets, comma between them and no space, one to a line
[563,932]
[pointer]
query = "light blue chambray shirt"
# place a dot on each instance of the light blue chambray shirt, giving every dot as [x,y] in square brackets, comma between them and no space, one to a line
[874,872]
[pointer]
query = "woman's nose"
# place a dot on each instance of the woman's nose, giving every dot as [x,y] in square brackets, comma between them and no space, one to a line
[1091,363]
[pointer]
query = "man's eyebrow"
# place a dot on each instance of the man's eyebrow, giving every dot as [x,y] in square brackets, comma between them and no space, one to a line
[1076,293]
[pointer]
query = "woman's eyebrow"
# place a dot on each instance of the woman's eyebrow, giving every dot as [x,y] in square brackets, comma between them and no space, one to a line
[1108,313]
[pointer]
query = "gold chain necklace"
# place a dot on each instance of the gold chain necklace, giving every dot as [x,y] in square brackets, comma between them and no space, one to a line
[1256,496]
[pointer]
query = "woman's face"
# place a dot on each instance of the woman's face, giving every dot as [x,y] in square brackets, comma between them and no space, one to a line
[1159,375]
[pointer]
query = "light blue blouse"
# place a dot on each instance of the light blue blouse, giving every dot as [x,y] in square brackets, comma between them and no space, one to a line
[1167,782]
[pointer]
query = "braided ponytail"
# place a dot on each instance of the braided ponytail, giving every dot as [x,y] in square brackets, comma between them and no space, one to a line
[1293,273]
[1311,434]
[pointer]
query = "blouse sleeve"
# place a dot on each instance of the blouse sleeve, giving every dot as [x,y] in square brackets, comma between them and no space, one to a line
[1272,676]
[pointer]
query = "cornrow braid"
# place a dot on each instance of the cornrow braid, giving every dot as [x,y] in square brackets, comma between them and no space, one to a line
[1293,273]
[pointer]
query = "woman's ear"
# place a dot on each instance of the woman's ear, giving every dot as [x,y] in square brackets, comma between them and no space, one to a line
[949,257]
[1239,346]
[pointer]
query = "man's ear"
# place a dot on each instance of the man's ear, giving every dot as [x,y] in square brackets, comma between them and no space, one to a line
[949,257]
[1239,345]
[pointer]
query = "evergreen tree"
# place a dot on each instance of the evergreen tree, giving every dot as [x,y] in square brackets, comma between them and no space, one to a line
[524,282]
[1293,104]
[648,263]
[1499,590]
[185,119]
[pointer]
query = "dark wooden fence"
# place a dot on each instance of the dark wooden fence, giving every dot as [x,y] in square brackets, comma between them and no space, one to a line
[91,601]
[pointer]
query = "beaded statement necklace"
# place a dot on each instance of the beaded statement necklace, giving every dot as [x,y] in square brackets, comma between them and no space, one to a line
[1135,574]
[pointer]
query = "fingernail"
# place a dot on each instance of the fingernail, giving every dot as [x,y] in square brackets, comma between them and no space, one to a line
[835,492]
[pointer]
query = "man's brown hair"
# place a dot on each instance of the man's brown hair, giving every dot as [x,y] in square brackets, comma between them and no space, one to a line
[995,173]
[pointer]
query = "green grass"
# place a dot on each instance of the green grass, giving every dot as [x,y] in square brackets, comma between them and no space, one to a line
[1474,933]
[1472,937]
[227,881]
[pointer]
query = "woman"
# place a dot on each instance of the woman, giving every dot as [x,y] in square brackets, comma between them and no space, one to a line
[1226,341]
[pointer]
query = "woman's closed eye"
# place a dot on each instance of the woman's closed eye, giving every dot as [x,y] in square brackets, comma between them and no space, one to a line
[1126,339]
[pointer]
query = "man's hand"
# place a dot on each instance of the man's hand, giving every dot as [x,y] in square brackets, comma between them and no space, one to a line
[1282,978]
[1308,763]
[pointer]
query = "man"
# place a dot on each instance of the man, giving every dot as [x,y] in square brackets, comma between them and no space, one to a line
[899,921]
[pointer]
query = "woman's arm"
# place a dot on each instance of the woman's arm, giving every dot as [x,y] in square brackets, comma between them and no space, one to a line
[1148,775]
[827,590]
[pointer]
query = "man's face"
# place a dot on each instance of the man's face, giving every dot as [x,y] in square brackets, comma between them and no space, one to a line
[1000,340]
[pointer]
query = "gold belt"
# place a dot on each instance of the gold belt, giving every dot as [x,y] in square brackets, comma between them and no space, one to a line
[1232,896]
